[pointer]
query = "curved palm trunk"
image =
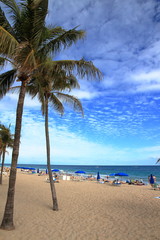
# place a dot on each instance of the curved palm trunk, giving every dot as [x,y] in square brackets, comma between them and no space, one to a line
[2,166]
[7,222]
[52,186]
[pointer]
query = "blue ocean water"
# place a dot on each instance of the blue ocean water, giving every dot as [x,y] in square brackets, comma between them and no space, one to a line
[134,172]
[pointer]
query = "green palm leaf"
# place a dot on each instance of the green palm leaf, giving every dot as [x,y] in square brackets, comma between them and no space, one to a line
[63,81]
[5,24]
[33,20]
[2,61]
[12,8]
[81,67]
[14,11]
[69,100]
[56,104]
[8,43]
[63,40]
[6,81]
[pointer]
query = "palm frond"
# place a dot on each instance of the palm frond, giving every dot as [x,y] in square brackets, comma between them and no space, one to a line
[6,81]
[81,67]
[64,82]
[25,57]
[5,24]
[2,62]
[61,41]
[56,104]
[33,20]
[41,9]
[14,12]
[6,136]
[14,89]
[70,101]
[30,61]
[12,6]
[34,88]
[8,43]
[158,161]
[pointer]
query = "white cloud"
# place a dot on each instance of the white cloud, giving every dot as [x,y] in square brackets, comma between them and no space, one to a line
[149,77]
[85,94]
[70,148]
[146,81]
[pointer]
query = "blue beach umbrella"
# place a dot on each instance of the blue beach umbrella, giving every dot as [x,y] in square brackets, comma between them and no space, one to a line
[112,174]
[121,174]
[55,170]
[80,171]
[98,176]
[31,168]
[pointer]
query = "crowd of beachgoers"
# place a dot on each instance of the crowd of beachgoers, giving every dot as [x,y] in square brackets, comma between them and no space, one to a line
[61,175]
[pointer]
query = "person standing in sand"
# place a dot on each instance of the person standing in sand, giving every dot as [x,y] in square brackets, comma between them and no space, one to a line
[151,179]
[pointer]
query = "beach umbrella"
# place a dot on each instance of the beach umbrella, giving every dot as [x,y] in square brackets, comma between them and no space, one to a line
[98,176]
[80,171]
[112,174]
[31,168]
[55,170]
[121,174]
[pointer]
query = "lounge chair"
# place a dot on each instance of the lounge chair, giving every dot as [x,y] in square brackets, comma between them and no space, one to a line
[54,180]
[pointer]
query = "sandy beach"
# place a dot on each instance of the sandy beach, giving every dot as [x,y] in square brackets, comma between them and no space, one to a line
[87,211]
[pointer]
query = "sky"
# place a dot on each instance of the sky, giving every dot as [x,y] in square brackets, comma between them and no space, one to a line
[121,123]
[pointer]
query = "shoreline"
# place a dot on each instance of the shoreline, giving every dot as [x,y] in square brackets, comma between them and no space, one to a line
[87,210]
[134,172]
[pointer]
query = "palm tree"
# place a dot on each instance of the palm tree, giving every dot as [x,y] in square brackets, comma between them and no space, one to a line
[7,141]
[26,43]
[50,89]
[0,148]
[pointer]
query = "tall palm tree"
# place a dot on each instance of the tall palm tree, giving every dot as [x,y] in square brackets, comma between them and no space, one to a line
[50,90]
[26,43]
[7,141]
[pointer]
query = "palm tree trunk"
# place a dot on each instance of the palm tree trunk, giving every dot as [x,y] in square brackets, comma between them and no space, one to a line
[3,158]
[52,186]
[7,222]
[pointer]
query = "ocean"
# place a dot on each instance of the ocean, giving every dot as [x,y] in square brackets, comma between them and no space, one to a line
[134,172]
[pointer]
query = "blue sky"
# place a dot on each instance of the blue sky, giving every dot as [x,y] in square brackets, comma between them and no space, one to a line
[121,125]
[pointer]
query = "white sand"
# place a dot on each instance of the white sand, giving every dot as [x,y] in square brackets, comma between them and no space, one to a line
[87,211]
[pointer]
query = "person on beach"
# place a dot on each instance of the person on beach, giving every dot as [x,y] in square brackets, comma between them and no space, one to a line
[151,179]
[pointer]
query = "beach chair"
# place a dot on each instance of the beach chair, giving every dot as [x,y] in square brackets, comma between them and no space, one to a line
[55,180]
